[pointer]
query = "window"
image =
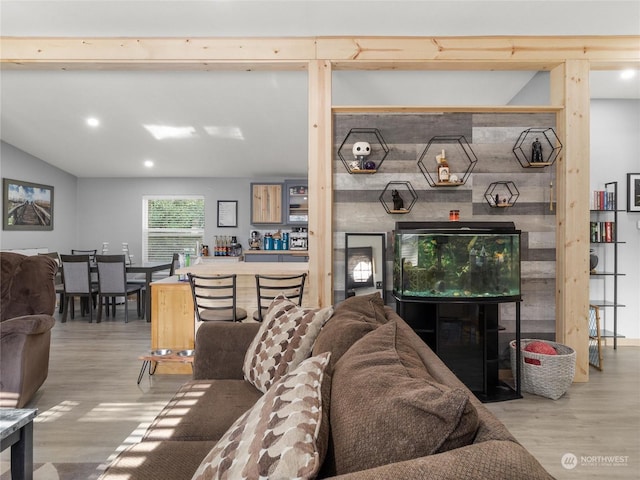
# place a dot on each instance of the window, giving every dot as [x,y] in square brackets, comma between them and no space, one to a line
[171,224]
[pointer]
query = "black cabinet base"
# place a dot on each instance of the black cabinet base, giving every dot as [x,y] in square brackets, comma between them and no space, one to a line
[465,337]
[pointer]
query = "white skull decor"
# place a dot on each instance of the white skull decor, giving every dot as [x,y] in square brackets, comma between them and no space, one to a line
[361,149]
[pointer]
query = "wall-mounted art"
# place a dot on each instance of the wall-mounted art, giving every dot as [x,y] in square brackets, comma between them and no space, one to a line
[633,192]
[363,150]
[447,161]
[398,197]
[537,147]
[502,194]
[27,206]
[227,213]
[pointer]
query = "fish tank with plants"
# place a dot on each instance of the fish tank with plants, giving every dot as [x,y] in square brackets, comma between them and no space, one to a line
[456,261]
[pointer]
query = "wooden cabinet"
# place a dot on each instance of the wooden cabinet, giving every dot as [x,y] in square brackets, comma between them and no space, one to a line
[266,203]
[172,321]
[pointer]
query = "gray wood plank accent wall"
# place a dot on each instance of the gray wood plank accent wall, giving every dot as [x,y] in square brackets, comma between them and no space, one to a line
[492,137]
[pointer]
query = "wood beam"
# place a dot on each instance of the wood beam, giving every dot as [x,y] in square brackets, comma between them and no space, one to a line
[320,184]
[570,87]
[379,53]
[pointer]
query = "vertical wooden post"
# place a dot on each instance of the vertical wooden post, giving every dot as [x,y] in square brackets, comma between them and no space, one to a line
[570,87]
[320,184]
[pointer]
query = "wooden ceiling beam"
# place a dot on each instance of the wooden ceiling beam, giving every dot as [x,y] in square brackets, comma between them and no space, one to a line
[291,53]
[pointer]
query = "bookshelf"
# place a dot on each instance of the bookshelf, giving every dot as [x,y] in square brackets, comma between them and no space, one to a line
[604,241]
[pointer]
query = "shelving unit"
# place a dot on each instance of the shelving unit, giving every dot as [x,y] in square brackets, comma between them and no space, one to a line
[608,213]
[296,202]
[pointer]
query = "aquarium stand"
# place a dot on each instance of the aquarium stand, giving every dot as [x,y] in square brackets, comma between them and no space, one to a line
[464,335]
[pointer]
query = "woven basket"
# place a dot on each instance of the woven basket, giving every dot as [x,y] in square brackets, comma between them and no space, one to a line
[554,374]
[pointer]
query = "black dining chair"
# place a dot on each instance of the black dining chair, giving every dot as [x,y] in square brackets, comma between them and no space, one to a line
[269,287]
[77,283]
[214,298]
[112,283]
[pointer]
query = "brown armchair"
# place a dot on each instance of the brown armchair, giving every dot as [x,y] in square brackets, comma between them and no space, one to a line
[27,303]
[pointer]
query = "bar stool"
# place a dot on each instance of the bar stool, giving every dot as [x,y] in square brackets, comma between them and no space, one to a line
[269,287]
[214,298]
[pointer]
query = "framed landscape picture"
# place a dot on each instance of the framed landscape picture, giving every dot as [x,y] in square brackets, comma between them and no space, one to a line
[633,192]
[26,205]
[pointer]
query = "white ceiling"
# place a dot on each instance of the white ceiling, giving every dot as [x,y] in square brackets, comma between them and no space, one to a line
[250,124]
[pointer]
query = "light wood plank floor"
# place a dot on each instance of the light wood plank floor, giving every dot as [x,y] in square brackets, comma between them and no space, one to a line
[90,406]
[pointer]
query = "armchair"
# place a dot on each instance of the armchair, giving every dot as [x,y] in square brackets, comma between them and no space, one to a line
[27,303]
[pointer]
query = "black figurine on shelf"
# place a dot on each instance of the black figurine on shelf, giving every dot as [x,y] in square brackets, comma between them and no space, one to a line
[398,202]
[536,151]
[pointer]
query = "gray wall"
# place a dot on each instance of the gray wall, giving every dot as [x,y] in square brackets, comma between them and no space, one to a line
[18,165]
[491,136]
[111,209]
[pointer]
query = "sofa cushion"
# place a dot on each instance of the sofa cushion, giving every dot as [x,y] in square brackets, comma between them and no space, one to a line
[278,437]
[403,413]
[351,320]
[203,410]
[370,306]
[285,339]
[154,460]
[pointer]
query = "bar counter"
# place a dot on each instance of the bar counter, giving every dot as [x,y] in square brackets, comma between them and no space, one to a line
[173,323]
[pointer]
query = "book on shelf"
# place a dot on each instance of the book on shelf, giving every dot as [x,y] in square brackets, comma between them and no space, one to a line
[602,232]
[604,200]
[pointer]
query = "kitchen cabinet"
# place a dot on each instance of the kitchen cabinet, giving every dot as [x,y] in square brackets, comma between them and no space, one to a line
[296,202]
[266,203]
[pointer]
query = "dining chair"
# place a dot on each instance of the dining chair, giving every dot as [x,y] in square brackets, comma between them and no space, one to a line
[59,285]
[175,264]
[112,283]
[269,287]
[214,298]
[77,283]
[91,253]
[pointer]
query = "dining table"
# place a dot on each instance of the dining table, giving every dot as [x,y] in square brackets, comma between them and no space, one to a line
[148,268]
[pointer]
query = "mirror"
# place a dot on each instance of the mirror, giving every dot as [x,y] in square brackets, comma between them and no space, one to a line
[365,264]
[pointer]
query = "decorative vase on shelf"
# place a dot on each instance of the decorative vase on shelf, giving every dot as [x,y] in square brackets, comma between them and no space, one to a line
[593,260]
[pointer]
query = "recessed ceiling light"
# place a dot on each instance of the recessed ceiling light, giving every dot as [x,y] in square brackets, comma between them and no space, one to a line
[148,163]
[627,74]
[93,122]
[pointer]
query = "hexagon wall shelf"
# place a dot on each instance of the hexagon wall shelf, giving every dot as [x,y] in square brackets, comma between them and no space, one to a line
[379,150]
[460,157]
[502,194]
[403,188]
[549,143]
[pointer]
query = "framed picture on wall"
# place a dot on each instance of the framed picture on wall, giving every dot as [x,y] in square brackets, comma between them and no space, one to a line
[27,206]
[633,192]
[227,213]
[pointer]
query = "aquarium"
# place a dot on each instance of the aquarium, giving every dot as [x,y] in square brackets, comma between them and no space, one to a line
[458,261]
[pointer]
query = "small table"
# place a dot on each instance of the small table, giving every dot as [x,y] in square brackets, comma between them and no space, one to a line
[151,360]
[16,431]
